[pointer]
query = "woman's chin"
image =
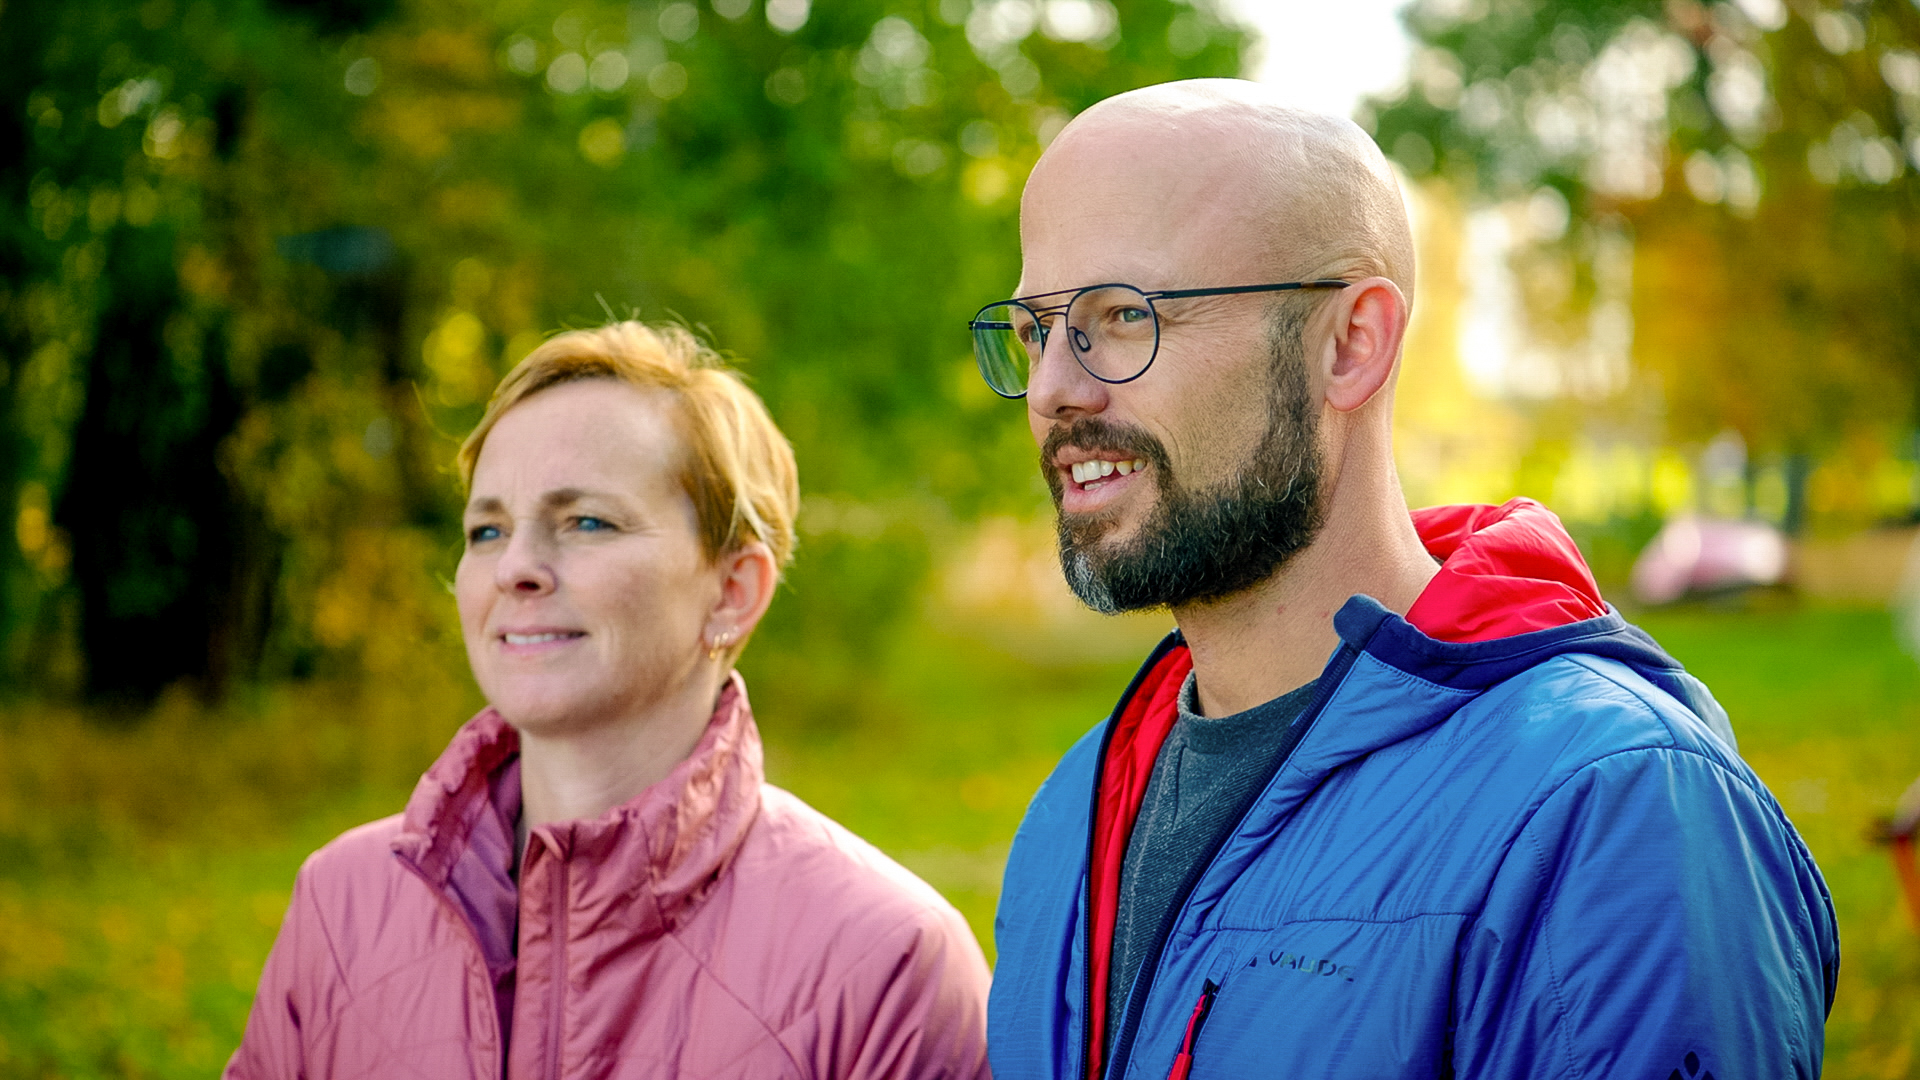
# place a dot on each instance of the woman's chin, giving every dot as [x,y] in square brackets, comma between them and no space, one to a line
[549,713]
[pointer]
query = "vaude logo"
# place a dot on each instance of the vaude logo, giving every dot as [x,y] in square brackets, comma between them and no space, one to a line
[1323,967]
[1693,1069]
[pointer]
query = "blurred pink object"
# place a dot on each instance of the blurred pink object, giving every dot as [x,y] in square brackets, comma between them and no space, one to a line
[1695,554]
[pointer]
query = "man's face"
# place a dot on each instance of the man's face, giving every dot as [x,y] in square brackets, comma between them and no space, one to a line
[1225,419]
[1197,545]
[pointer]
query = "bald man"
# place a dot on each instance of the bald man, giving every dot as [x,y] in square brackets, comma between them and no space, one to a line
[1499,833]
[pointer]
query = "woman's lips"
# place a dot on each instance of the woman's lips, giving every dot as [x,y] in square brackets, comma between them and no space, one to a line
[539,640]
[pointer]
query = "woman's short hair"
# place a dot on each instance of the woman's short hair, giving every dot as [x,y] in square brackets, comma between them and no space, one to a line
[739,469]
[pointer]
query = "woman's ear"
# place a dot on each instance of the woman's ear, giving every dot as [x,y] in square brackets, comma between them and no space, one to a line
[1372,320]
[748,576]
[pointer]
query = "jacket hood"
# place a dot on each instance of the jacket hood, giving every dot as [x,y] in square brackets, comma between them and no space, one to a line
[642,864]
[1512,592]
[1504,570]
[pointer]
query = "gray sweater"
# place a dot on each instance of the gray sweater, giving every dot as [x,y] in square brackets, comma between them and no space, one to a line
[1207,775]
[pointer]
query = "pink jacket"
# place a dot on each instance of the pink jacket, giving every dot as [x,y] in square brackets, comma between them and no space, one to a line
[715,926]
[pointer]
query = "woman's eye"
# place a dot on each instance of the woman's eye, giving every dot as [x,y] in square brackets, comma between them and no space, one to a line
[591,524]
[480,534]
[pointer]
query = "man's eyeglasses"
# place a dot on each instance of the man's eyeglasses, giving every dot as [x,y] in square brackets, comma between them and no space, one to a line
[1112,330]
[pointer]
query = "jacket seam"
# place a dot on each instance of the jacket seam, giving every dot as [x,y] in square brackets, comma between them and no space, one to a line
[319,923]
[1525,833]
[1387,668]
[707,969]
[1316,921]
[1559,647]
[1674,746]
[360,992]
[1527,822]
[1761,796]
[1553,973]
[909,920]
[779,1034]
[356,993]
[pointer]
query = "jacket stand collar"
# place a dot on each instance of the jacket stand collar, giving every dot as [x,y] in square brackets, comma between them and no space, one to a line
[642,864]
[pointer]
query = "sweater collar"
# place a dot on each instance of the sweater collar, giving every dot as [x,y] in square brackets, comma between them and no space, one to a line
[644,862]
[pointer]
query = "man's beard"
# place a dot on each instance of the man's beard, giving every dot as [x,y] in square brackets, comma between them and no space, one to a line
[1200,546]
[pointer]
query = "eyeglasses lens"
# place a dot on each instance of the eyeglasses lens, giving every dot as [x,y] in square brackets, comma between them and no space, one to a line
[1007,339]
[1113,332]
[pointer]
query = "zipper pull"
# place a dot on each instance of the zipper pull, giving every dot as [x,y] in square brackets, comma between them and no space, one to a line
[1183,1062]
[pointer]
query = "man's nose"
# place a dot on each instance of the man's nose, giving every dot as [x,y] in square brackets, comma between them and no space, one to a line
[1058,388]
[526,566]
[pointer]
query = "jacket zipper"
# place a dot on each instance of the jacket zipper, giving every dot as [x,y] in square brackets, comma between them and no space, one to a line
[1086,965]
[1172,641]
[1329,682]
[556,1017]
[1183,1061]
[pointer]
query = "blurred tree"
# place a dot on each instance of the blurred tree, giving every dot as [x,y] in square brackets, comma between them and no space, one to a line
[1758,155]
[264,259]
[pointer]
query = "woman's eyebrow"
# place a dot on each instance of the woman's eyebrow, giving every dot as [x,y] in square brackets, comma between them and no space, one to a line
[567,496]
[552,500]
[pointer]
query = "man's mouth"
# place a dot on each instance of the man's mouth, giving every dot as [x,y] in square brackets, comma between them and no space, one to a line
[1090,474]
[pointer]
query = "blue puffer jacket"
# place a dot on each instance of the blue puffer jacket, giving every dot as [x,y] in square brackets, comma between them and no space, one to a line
[1531,857]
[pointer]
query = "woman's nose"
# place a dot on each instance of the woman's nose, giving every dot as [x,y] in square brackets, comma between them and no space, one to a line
[526,566]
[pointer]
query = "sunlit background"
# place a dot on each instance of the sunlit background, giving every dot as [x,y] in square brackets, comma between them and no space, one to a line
[261,261]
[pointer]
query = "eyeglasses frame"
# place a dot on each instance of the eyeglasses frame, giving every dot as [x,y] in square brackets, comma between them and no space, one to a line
[974,325]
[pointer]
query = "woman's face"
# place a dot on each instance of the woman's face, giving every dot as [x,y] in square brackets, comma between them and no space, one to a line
[584,594]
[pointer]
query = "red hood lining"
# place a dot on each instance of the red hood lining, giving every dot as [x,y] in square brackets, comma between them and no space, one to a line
[1506,570]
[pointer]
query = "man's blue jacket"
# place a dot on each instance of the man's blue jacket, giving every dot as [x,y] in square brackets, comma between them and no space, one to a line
[1529,857]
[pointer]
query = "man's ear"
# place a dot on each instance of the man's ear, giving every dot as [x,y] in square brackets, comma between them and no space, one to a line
[748,576]
[1370,321]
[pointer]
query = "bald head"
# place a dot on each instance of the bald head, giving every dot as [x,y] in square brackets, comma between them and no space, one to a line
[1206,178]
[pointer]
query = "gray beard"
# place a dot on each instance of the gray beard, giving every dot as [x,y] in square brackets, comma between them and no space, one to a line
[1206,545]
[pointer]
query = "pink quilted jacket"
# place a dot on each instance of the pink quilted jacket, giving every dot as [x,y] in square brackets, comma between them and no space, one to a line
[715,926]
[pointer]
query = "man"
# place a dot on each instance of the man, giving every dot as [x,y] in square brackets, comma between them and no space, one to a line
[1499,833]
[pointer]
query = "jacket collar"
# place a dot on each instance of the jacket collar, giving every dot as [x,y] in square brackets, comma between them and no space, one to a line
[644,863]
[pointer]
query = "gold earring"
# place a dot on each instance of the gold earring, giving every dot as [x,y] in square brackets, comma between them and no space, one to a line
[720,644]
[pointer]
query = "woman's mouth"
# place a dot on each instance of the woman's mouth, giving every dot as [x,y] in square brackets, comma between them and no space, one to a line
[534,638]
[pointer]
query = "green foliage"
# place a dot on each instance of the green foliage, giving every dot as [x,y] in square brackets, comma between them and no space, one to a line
[1760,156]
[266,260]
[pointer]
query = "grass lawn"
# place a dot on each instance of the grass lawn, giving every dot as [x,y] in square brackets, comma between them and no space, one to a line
[143,871]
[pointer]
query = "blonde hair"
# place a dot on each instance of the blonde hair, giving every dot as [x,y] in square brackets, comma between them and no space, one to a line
[739,468]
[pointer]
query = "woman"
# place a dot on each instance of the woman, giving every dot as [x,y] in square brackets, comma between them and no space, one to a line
[593,880]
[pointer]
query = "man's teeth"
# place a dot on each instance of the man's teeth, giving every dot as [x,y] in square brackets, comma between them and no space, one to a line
[1094,470]
[536,639]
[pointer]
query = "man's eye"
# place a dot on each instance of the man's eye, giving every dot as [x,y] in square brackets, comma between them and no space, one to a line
[1133,315]
[480,534]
